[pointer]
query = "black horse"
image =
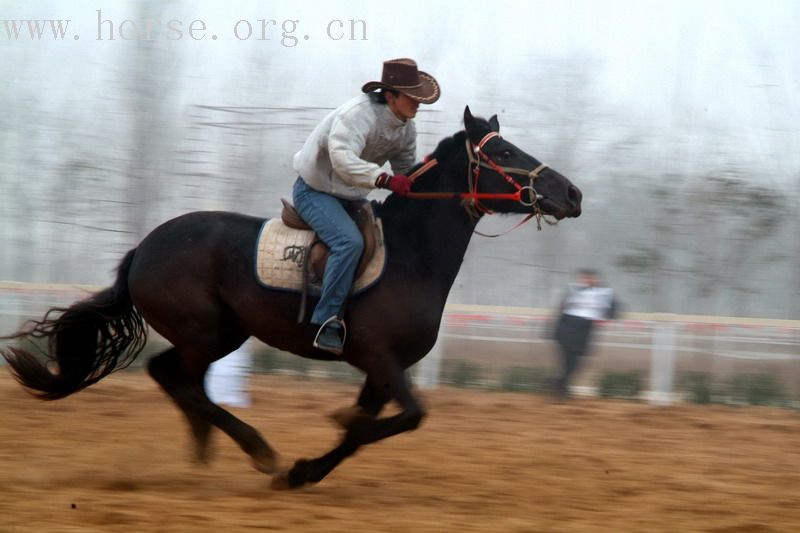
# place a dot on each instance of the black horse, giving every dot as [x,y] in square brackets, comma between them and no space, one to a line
[192,281]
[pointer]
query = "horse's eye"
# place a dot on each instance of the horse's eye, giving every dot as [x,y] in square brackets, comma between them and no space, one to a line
[506,153]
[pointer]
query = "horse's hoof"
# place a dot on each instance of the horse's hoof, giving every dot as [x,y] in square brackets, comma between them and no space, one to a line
[280,481]
[347,416]
[267,464]
[201,463]
[202,457]
[291,479]
[285,481]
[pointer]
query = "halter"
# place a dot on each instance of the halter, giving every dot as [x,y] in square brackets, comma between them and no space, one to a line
[471,199]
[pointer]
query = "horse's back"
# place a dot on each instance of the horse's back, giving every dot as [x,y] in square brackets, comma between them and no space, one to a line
[198,247]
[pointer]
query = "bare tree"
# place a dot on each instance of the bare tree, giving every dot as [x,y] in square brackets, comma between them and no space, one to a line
[151,105]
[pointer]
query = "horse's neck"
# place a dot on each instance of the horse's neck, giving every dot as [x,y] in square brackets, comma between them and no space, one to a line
[431,236]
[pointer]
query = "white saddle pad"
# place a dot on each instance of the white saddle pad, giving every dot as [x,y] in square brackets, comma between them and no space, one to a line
[280,254]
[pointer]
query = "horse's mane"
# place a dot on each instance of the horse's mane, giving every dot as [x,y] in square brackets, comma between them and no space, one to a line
[445,147]
[430,180]
[449,143]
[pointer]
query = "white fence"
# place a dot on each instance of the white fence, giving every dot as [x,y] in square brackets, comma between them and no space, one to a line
[660,346]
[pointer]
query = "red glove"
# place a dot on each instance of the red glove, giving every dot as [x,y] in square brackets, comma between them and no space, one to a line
[399,183]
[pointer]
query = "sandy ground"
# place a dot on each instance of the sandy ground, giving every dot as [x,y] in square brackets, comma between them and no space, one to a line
[115,458]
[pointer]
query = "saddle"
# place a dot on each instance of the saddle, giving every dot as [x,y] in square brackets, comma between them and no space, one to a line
[316,256]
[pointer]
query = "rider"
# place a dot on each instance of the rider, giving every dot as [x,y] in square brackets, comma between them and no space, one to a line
[341,162]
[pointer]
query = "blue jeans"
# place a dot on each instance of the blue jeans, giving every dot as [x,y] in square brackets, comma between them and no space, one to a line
[327,215]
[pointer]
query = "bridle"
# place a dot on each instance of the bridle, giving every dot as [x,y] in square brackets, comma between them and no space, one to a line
[478,159]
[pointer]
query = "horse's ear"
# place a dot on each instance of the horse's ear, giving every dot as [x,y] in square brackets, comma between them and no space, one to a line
[494,124]
[469,120]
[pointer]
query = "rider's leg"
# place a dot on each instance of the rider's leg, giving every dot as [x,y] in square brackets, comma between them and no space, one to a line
[327,215]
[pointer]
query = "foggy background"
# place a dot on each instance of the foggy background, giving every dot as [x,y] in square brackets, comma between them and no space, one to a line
[679,121]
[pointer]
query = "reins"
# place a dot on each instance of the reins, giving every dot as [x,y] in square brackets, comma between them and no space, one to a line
[471,199]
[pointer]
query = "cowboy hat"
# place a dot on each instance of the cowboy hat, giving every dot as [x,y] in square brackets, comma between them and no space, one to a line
[402,75]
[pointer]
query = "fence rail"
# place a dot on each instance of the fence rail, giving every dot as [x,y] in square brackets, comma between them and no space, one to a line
[660,345]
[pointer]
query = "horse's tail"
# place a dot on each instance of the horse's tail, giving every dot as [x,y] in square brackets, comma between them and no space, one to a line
[85,342]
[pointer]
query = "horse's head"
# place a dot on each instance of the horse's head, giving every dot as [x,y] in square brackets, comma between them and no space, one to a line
[508,180]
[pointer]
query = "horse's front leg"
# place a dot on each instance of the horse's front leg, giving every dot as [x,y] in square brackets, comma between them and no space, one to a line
[362,428]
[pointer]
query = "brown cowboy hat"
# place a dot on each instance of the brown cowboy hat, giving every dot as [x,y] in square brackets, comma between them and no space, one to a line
[402,75]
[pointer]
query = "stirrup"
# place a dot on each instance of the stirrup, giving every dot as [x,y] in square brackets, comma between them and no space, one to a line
[324,325]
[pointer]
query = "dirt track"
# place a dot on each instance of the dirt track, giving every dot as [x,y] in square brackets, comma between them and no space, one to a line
[114,458]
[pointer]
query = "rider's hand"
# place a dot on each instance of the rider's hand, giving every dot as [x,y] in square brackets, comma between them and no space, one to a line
[399,183]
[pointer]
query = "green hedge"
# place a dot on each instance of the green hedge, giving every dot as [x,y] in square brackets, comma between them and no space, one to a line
[697,386]
[757,389]
[526,379]
[463,374]
[625,385]
[743,389]
[268,360]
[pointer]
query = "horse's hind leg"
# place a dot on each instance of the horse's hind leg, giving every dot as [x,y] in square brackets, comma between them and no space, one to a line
[165,369]
[187,390]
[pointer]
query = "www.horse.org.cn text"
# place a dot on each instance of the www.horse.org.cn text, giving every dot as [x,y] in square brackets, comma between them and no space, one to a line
[286,32]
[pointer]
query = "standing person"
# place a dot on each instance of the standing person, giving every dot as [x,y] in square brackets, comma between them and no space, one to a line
[341,162]
[586,303]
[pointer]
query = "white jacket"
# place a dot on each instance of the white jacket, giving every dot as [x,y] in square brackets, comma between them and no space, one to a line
[344,154]
[592,303]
